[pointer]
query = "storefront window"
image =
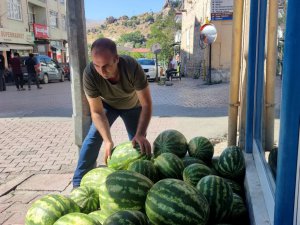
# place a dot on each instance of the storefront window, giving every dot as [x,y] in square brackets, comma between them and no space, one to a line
[53,19]
[14,9]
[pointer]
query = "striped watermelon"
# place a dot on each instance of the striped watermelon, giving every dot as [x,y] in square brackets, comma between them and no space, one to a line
[170,141]
[236,187]
[127,217]
[124,190]
[144,167]
[239,209]
[219,195]
[201,148]
[169,165]
[124,154]
[193,173]
[272,160]
[87,198]
[76,219]
[188,160]
[94,178]
[50,208]
[231,163]
[98,215]
[213,166]
[172,201]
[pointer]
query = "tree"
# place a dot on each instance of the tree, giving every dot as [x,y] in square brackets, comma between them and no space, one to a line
[163,32]
[134,37]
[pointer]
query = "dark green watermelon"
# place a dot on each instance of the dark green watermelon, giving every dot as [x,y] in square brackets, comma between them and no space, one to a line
[201,148]
[188,160]
[193,173]
[170,141]
[169,165]
[87,198]
[144,167]
[127,217]
[219,196]
[172,201]
[231,163]
[272,160]
[124,190]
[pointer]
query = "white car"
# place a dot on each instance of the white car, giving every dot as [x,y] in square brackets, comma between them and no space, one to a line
[149,67]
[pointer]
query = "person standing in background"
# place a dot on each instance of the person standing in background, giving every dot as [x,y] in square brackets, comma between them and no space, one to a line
[2,69]
[31,65]
[15,65]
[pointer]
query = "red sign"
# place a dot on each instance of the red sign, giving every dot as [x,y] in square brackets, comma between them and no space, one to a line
[41,31]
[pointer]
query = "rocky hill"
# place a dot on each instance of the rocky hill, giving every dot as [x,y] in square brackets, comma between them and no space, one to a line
[113,28]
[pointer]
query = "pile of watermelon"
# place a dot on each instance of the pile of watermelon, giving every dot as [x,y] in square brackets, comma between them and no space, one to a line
[181,184]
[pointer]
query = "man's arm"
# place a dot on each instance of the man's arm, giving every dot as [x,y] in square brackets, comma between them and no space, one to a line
[145,116]
[101,123]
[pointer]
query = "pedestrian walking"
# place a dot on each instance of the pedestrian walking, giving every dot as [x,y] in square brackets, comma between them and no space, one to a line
[2,70]
[32,69]
[15,65]
[114,86]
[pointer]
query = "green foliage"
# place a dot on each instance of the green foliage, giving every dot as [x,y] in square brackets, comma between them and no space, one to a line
[150,19]
[163,32]
[136,55]
[135,37]
[100,35]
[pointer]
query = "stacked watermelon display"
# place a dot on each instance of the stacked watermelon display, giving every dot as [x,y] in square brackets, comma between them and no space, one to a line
[183,183]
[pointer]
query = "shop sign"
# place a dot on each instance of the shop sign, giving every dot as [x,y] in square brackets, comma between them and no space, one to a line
[221,9]
[16,37]
[41,31]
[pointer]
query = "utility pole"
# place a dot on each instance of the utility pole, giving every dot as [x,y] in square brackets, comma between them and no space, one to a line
[76,28]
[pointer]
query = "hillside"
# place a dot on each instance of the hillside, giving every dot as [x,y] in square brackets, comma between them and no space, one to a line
[113,28]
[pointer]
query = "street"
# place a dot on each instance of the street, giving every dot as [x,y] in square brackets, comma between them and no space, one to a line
[189,98]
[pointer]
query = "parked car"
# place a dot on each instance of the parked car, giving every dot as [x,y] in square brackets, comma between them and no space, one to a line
[50,70]
[149,67]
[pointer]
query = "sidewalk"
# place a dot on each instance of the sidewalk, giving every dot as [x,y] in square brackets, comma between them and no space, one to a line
[38,155]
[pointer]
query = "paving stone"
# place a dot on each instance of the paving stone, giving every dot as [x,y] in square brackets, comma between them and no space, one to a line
[46,182]
[5,188]
[4,206]
[5,216]
[17,207]
[23,196]
[16,219]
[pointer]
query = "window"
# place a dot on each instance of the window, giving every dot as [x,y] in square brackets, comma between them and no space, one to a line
[53,19]
[62,1]
[14,9]
[63,22]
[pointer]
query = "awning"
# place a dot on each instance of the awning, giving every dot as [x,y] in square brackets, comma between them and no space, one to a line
[19,47]
[4,47]
[58,48]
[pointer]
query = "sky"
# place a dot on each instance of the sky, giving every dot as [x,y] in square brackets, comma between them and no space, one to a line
[101,9]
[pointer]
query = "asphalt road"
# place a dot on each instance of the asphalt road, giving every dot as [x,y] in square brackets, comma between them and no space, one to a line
[186,98]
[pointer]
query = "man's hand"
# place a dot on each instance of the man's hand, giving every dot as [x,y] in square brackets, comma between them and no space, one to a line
[143,143]
[108,146]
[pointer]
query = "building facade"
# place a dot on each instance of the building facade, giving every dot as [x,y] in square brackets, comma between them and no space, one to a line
[37,26]
[194,53]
